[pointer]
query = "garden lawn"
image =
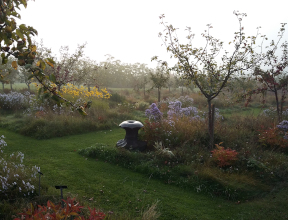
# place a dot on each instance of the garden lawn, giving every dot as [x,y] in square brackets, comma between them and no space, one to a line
[19,86]
[245,111]
[116,189]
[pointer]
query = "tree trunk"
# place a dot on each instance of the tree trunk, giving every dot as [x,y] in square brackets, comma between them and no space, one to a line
[282,103]
[3,86]
[28,85]
[211,118]
[11,87]
[278,107]
[158,94]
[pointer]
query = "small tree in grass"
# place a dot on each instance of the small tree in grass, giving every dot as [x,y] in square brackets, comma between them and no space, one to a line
[203,65]
[159,80]
[272,76]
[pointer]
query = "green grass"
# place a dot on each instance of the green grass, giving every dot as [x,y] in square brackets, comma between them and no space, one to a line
[244,111]
[120,190]
[123,190]
[18,86]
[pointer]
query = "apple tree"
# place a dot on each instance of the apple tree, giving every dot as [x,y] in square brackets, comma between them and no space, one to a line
[159,80]
[210,67]
[272,74]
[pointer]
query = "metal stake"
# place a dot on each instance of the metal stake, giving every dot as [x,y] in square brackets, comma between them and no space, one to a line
[61,187]
[39,181]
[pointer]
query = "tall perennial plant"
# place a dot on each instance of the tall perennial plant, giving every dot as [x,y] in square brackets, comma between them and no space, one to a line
[16,179]
[13,101]
[283,125]
[179,127]
[153,113]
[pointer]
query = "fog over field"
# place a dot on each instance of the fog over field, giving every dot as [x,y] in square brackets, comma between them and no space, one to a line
[128,30]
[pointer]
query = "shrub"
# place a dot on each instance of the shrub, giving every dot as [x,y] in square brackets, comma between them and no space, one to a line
[53,212]
[161,150]
[175,132]
[152,132]
[15,178]
[176,110]
[85,92]
[186,101]
[141,106]
[115,97]
[283,125]
[49,125]
[125,108]
[13,101]
[272,113]
[180,126]
[273,137]
[224,157]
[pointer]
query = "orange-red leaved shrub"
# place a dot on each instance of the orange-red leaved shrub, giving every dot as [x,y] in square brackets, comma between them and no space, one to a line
[273,137]
[53,212]
[224,157]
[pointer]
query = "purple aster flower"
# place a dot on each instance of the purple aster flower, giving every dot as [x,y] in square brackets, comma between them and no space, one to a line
[153,113]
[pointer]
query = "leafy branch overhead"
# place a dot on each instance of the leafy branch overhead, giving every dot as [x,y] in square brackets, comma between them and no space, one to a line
[15,40]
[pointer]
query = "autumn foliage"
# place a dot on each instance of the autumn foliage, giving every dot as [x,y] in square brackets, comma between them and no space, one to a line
[272,137]
[53,212]
[224,157]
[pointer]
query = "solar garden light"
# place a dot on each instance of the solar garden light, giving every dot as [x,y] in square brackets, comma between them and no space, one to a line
[39,181]
[61,189]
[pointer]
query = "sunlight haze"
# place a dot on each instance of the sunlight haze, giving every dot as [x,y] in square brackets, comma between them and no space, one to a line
[128,30]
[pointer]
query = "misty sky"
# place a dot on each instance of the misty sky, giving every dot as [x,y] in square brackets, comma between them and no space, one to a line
[128,29]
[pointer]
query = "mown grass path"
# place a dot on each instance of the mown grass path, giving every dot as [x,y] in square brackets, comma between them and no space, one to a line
[120,190]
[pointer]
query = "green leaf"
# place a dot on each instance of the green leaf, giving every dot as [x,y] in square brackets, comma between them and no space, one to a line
[41,64]
[14,36]
[15,14]
[31,76]
[23,27]
[81,110]
[4,60]
[24,3]
[19,33]
[50,60]
[52,78]
[4,36]
[29,39]
[27,66]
